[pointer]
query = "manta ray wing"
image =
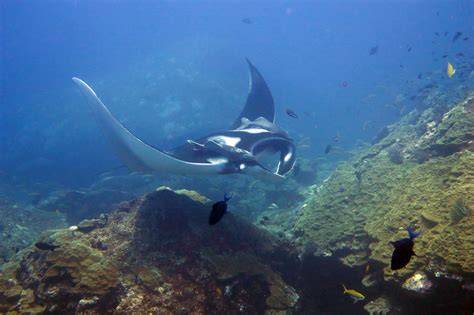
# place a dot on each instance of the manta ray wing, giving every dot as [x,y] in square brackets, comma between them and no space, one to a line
[133,152]
[259,100]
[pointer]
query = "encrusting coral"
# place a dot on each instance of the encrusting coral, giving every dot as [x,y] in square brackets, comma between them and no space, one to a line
[383,197]
[157,254]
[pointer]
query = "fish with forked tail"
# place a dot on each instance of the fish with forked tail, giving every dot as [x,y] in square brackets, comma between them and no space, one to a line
[403,250]
[355,296]
[218,210]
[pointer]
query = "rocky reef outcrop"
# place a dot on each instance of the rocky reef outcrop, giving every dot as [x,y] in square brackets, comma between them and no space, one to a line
[419,174]
[153,254]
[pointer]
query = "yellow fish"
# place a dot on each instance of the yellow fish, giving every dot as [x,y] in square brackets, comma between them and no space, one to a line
[356,296]
[451,70]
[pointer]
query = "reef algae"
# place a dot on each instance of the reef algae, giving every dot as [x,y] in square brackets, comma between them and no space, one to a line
[153,254]
[383,197]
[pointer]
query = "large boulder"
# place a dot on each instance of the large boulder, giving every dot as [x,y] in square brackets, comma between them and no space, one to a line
[157,254]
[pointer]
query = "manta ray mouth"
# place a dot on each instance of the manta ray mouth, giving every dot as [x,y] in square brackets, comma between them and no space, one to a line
[276,155]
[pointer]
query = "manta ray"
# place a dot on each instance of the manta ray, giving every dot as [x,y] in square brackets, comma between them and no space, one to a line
[239,150]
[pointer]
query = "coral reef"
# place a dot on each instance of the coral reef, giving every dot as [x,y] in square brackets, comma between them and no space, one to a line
[418,283]
[382,197]
[20,226]
[152,254]
[459,211]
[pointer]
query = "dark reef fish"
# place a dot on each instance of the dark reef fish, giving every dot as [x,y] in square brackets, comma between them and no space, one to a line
[328,149]
[247,21]
[45,246]
[291,113]
[409,49]
[437,34]
[465,38]
[373,50]
[403,250]
[218,210]
[358,175]
[456,36]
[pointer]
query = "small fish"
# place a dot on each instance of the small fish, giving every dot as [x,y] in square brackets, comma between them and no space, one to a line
[451,71]
[358,175]
[403,250]
[356,296]
[341,189]
[460,55]
[328,149]
[412,97]
[419,76]
[437,34]
[373,50]
[465,38]
[367,268]
[401,66]
[444,56]
[45,246]
[409,49]
[291,113]
[445,34]
[456,36]
[344,84]
[336,138]
[218,210]
[247,20]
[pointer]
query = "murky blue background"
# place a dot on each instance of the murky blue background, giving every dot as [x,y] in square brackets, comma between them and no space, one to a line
[173,69]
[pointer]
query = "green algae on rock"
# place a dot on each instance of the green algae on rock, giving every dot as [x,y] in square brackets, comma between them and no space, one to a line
[383,197]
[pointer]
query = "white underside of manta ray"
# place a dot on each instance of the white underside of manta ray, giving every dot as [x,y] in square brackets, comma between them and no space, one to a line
[237,150]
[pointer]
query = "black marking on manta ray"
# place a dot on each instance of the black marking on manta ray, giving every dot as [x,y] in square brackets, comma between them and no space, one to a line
[236,150]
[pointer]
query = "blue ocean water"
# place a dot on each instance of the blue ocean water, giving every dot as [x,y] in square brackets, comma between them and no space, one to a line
[174,70]
[138,53]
